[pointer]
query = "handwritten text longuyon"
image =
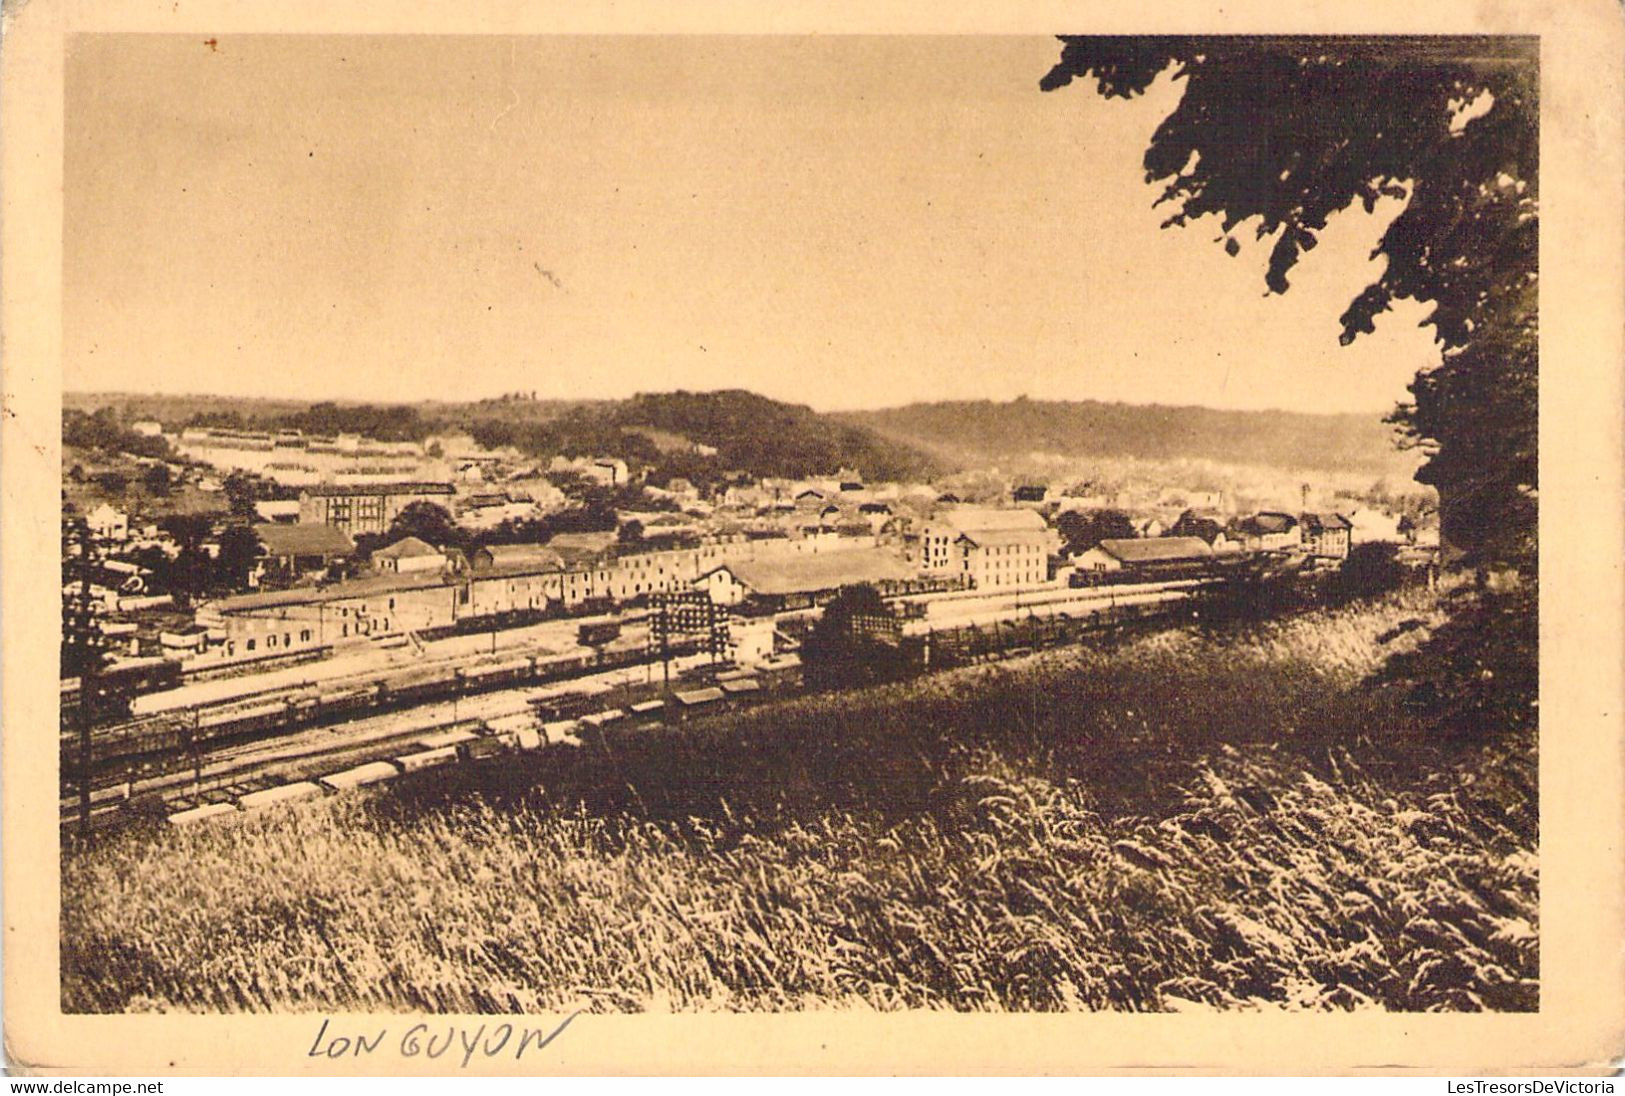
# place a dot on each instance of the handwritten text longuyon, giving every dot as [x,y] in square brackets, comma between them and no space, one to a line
[422,1040]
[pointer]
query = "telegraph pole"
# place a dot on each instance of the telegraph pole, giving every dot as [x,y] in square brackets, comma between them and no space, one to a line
[81,637]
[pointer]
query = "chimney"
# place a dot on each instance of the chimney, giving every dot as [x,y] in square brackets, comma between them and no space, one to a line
[1305,490]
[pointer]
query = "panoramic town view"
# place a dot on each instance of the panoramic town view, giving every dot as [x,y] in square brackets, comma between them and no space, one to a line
[754,635]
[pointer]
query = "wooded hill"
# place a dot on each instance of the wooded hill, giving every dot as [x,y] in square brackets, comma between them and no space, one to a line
[979,432]
[757,436]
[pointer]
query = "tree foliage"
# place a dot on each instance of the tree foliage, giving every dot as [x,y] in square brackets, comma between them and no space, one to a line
[839,652]
[1370,568]
[1083,530]
[239,553]
[430,523]
[102,430]
[1281,134]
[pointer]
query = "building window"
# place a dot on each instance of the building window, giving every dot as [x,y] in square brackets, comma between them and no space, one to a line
[250,645]
[304,635]
[270,641]
[392,603]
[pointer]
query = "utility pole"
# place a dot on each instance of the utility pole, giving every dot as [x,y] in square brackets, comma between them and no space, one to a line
[81,640]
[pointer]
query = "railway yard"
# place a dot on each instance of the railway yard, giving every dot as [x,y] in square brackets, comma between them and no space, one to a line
[216,748]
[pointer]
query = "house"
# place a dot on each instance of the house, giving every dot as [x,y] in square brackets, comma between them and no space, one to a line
[147,428]
[611,471]
[1269,531]
[300,548]
[1204,524]
[1143,554]
[512,557]
[801,580]
[1326,535]
[108,522]
[991,558]
[366,507]
[1367,525]
[1208,526]
[1151,527]
[409,555]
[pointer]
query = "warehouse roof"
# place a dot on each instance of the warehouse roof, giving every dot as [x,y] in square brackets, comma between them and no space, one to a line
[342,490]
[338,591]
[303,539]
[806,573]
[1156,549]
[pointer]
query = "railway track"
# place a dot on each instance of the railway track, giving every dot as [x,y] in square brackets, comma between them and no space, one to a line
[436,733]
[488,708]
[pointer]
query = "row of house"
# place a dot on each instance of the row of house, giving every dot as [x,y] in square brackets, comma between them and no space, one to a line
[1324,535]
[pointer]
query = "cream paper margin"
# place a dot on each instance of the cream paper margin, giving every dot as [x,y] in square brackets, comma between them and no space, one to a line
[1581,1025]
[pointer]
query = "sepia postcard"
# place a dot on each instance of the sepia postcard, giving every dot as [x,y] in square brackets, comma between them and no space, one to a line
[882,540]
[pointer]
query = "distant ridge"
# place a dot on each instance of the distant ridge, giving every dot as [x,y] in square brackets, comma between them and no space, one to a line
[979,431]
[739,430]
[766,437]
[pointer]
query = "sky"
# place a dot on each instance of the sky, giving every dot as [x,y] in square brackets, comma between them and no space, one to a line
[845,222]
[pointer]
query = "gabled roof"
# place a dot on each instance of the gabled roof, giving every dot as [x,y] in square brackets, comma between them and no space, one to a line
[810,572]
[978,520]
[303,539]
[407,548]
[1269,521]
[1000,538]
[1316,522]
[1156,549]
[524,557]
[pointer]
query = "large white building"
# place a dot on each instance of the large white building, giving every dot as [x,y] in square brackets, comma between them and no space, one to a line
[989,548]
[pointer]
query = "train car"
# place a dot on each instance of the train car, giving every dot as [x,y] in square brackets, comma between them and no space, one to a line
[598,633]
[647,712]
[116,686]
[572,705]
[497,674]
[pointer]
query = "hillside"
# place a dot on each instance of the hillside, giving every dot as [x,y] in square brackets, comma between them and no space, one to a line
[662,431]
[977,432]
[666,431]
[771,438]
[1185,821]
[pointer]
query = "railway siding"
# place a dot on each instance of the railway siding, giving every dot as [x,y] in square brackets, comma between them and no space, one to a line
[379,749]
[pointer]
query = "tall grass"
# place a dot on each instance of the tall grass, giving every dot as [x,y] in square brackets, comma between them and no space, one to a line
[1183,822]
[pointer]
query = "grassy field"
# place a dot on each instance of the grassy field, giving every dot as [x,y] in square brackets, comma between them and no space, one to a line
[1181,822]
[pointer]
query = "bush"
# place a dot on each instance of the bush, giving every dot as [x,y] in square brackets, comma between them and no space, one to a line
[1370,569]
